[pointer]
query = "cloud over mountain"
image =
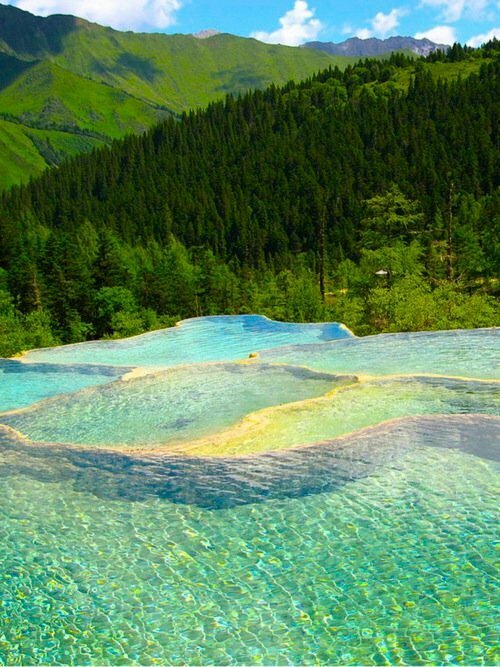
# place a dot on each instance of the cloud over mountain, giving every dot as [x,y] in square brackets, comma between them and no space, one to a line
[382,24]
[298,25]
[440,34]
[122,14]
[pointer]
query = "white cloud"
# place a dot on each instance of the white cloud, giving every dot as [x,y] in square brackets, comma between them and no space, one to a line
[364,33]
[453,10]
[441,34]
[382,24]
[478,40]
[122,14]
[298,25]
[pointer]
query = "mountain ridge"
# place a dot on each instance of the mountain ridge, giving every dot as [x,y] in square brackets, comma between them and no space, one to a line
[375,47]
[63,74]
[136,78]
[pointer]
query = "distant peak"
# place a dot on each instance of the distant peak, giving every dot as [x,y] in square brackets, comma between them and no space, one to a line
[205,34]
[374,47]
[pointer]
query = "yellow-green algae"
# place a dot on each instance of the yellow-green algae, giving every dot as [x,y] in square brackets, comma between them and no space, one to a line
[348,409]
[180,403]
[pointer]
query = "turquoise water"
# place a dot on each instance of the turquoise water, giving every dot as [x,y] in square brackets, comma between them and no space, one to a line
[223,482]
[474,353]
[350,409]
[194,341]
[166,408]
[22,384]
[393,568]
[377,547]
[177,405]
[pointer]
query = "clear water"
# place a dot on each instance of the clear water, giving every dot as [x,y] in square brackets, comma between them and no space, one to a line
[23,384]
[394,568]
[376,547]
[474,353]
[176,405]
[223,482]
[350,409]
[194,341]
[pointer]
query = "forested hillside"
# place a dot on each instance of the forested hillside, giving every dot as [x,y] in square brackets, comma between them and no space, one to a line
[67,85]
[349,196]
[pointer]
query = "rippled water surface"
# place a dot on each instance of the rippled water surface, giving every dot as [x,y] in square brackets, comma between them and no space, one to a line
[193,341]
[293,514]
[179,404]
[394,568]
[22,384]
[474,353]
[353,408]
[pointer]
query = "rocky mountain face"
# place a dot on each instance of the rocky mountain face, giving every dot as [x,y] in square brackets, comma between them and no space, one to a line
[376,47]
[206,34]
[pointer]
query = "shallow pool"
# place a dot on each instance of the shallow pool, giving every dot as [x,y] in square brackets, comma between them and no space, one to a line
[193,341]
[180,404]
[23,384]
[332,501]
[473,354]
[393,567]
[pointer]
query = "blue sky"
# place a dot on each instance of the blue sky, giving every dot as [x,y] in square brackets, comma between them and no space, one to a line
[291,21]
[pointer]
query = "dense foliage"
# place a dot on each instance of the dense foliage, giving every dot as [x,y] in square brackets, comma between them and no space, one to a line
[344,197]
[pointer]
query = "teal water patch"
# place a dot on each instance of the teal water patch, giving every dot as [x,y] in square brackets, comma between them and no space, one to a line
[220,483]
[194,341]
[175,405]
[474,353]
[22,384]
[370,548]
[352,408]
[395,568]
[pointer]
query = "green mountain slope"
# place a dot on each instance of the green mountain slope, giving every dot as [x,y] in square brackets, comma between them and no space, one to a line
[19,157]
[46,95]
[64,73]
[180,71]
[25,152]
[176,71]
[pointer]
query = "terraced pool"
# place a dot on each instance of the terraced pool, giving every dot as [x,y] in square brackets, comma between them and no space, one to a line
[166,500]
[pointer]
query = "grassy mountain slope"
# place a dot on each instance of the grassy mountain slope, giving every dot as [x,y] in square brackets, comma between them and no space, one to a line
[66,74]
[19,157]
[439,71]
[180,71]
[176,71]
[25,152]
[46,95]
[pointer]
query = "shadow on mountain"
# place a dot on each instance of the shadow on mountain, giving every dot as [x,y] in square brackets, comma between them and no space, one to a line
[143,67]
[220,483]
[240,79]
[33,37]
[11,68]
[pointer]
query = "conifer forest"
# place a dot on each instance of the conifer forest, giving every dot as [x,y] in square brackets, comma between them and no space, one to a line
[367,196]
